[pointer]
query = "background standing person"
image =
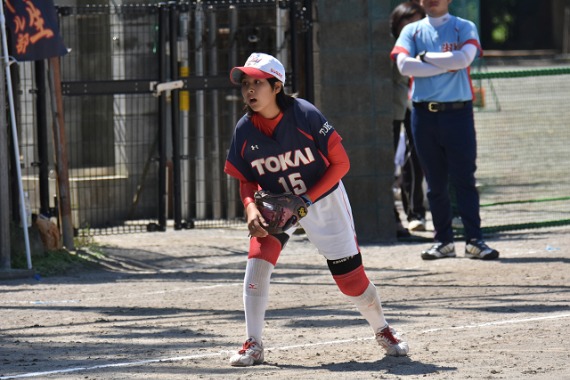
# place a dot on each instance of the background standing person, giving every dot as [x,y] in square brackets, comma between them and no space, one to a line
[437,51]
[412,176]
[284,144]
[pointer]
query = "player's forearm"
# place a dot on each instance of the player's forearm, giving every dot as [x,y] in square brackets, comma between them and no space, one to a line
[452,60]
[339,165]
[247,191]
[332,176]
[409,66]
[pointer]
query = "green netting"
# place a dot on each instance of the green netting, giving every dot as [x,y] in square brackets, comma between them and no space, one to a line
[523,131]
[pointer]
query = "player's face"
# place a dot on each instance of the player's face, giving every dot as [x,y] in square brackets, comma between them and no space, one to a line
[436,8]
[260,96]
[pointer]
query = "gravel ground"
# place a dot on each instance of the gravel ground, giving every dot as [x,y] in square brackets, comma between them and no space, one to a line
[168,305]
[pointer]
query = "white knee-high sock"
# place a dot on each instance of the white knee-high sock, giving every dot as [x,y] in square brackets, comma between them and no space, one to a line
[256,296]
[369,305]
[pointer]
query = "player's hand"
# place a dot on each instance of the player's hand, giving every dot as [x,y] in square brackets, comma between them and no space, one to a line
[255,221]
[421,56]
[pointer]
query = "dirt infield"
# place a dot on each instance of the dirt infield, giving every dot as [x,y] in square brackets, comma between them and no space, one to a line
[169,306]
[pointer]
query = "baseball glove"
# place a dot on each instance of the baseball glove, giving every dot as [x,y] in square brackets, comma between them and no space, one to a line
[280,211]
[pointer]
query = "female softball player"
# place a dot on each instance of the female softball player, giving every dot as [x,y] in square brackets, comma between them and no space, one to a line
[285,144]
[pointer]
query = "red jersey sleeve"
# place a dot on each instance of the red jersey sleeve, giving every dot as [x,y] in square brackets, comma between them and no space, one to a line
[339,164]
[247,191]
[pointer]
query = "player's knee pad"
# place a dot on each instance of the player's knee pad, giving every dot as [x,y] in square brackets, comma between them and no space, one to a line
[267,248]
[349,275]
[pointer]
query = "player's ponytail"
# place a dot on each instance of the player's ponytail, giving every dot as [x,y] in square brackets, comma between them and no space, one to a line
[284,100]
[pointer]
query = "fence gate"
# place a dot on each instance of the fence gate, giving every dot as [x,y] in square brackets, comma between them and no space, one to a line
[149,109]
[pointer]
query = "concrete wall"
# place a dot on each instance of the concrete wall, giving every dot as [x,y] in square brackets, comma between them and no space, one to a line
[354,91]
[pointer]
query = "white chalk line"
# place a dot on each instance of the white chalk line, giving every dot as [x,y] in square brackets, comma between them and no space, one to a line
[498,323]
[283,348]
[55,302]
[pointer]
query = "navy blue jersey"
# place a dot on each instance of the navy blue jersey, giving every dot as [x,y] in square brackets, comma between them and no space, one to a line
[292,159]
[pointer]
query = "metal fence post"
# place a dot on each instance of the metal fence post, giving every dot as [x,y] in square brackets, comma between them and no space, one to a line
[175,115]
[162,119]
[200,117]
[308,31]
[42,136]
[5,247]
[184,108]
[234,100]
[293,42]
[215,118]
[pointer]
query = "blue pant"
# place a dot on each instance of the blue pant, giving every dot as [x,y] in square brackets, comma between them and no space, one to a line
[447,148]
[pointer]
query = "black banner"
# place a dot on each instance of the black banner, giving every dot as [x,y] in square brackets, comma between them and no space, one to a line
[34,30]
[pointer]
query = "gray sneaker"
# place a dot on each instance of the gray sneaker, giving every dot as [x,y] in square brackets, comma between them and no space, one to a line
[477,249]
[439,251]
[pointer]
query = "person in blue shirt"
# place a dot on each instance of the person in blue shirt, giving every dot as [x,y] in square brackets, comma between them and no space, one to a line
[437,52]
